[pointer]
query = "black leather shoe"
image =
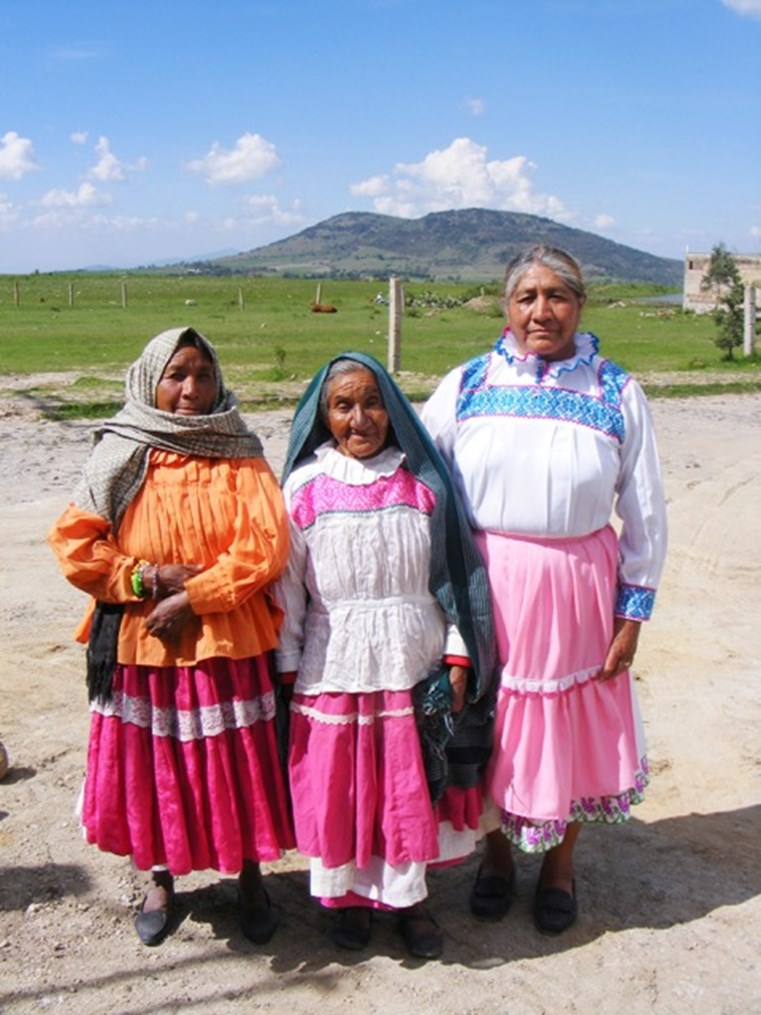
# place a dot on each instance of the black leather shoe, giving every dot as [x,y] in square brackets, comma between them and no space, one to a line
[492,895]
[153,927]
[554,909]
[258,923]
[421,933]
[352,929]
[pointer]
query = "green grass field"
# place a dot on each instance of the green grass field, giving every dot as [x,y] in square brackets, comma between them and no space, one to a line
[94,325]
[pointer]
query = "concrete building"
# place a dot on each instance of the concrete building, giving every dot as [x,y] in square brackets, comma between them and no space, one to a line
[695,265]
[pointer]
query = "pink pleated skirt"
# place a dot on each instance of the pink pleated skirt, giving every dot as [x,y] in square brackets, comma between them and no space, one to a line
[567,747]
[183,769]
[360,797]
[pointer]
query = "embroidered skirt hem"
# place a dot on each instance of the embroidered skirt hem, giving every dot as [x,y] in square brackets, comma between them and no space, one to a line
[568,747]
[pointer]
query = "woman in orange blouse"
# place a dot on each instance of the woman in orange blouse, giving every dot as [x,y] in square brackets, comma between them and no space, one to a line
[176,530]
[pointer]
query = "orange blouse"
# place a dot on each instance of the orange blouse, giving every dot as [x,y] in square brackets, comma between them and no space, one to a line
[225,514]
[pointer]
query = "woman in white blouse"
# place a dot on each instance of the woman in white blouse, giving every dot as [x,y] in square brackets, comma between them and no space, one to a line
[388,640]
[545,439]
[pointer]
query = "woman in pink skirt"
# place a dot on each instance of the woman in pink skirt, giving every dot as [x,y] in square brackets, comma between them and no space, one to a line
[176,530]
[545,438]
[388,637]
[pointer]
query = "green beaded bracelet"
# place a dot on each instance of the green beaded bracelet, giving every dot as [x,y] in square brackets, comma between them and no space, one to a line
[136,579]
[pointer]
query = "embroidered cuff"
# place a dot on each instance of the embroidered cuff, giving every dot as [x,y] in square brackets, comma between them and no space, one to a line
[634,602]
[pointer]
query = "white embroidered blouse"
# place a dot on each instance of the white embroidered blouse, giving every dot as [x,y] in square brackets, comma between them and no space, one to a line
[358,612]
[551,449]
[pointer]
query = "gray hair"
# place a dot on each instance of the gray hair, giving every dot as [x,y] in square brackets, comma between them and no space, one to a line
[338,369]
[554,258]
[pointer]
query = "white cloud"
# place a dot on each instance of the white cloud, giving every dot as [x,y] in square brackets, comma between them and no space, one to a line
[75,54]
[750,7]
[124,223]
[477,107]
[86,196]
[9,212]
[755,231]
[108,169]
[251,157]
[78,137]
[603,221]
[460,176]
[81,220]
[373,187]
[16,156]
[266,208]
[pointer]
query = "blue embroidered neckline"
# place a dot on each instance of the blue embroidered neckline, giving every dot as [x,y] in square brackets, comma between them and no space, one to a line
[587,347]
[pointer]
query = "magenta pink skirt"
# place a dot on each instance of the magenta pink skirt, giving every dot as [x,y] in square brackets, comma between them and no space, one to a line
[567,747]
[183,770]
[358,782]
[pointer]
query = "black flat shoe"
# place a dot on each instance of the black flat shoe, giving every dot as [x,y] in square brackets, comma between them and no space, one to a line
[492,895]
[350,930]
[555,910]
[421,933]
[258,923]
[152,927]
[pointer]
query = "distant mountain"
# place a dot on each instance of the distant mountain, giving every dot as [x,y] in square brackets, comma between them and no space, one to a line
[468,245]
[170,262]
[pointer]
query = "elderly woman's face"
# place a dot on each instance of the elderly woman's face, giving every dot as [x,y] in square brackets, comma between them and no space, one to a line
[544,313]
[188,386]
[356,416]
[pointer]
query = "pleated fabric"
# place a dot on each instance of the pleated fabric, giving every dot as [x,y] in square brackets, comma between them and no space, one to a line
[362,809]
[227,516]
[567,747]
[183,768]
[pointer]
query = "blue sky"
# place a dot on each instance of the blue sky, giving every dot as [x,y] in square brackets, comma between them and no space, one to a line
[136,133]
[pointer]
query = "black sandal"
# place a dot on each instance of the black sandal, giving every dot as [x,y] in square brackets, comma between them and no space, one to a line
[258,923]
[492,895]
[555,910]
[352,928]
[421,933]
[152,927]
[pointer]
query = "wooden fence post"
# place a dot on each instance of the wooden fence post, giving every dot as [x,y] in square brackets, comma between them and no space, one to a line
[395,308]
[749,321]
[16,298]
[71,294]
[124,295]
[241,303]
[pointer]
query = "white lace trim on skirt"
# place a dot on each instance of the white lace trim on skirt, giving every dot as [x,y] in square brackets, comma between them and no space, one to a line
[525,686]
[192,724]
[350,717]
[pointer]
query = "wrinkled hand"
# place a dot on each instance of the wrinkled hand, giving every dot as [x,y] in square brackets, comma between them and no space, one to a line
[622,648]
[458,680]
[168,618]
[171,578]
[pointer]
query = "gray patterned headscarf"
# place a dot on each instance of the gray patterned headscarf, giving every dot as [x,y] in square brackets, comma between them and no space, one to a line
[117,465]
